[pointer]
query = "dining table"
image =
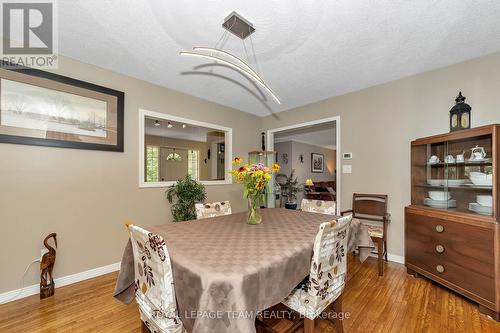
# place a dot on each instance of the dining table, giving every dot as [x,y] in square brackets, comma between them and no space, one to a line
[225,271]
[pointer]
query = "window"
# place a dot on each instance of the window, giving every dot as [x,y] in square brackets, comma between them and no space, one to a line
[152,164]
[193,164]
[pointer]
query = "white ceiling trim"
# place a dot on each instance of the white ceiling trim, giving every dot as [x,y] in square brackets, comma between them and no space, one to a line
[283,140]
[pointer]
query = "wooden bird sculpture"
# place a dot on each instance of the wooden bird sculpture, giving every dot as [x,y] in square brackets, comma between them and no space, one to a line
[46,268]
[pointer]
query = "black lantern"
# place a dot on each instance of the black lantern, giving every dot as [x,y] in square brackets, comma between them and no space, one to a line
[460,114]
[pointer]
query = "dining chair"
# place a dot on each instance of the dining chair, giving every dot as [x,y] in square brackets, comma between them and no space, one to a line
[323,288]
[371,210]
[206,210]
[319,206]
[154,283]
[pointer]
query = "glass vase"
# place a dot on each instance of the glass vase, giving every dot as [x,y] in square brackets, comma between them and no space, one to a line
[254,215]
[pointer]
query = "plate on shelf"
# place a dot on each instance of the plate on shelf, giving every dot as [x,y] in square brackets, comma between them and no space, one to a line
[435,182]
[443,204]
[482,160]
[487,187]
[451,182]
[483,210]
[457,182]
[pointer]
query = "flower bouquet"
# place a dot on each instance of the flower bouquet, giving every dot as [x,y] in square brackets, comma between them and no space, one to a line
[254,178]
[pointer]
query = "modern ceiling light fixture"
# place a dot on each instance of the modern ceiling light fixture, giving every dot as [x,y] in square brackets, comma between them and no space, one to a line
[170,125]
[240,27]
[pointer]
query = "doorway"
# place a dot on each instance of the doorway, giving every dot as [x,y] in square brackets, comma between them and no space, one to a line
[312,151]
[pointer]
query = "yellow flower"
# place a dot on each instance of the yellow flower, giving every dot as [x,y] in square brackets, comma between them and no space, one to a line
[260,185]
[258,173]
[237,160]
[276,167]
[267,176]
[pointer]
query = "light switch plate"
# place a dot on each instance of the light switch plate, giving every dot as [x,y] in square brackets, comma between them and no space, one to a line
[347,169]
[347,156]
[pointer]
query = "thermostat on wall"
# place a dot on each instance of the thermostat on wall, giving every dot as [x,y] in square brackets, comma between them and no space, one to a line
[347,156]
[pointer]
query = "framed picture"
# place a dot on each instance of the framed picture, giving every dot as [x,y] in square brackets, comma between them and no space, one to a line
[317,162]
[46,109]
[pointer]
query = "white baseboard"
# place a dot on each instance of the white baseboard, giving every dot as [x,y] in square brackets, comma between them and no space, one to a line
[13,295]
[92,273]
[396,258]
[392,257]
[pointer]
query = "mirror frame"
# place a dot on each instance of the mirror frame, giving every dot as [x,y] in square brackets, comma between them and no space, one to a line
[228,145]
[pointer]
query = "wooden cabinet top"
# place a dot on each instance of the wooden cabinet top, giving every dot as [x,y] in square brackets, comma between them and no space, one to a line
[464,134]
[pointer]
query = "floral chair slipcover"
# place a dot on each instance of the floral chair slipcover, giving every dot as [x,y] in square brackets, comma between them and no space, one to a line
[319,206]
[328,271]
[213,209]
[154,284]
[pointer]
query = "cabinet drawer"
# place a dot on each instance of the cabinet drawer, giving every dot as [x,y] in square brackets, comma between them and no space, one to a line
[459,253]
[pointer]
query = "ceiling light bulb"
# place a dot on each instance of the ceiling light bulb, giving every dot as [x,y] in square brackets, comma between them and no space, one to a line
[157,123]
[184,126]
[170,125]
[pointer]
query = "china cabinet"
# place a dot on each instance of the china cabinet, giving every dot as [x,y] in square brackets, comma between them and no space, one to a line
[451,226]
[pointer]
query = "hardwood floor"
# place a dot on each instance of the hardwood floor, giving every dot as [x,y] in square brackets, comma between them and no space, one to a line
[395,302]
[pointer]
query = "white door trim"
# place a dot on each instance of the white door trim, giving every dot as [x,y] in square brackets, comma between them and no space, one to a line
[336,119]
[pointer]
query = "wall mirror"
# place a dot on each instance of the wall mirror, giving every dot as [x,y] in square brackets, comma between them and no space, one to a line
[172,147]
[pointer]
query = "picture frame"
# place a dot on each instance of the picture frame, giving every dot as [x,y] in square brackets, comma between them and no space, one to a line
[46,109]
[317,163]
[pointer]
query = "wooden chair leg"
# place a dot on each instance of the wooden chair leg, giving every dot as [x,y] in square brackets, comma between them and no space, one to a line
[144,328]
[337,308]
[385,250]
[308,325]
[380,246]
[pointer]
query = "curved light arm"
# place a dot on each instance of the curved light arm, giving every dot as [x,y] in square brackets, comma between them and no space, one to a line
[234,66]
[229,55]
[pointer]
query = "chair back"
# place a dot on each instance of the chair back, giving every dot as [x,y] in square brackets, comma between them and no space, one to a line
[154,283]
[329,263]
[213,209]
[372,207]
[319,206]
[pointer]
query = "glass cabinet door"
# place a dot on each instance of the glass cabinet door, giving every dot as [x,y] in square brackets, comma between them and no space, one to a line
[454,175]
[469,174]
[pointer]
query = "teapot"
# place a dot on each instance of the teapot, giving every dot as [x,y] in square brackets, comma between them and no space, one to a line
[477,154]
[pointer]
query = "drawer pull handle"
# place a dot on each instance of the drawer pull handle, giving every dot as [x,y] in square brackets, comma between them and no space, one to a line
[439,248]
[440,268]
[439,228]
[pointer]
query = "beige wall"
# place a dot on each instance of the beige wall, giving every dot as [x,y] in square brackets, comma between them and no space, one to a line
[303,170]
[87,196]
[378,123]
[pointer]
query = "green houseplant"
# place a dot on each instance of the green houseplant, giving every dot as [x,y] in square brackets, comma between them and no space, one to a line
[290,187]
[183,195]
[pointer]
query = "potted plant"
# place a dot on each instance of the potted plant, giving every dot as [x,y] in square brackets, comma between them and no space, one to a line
[183,195]
[290,187]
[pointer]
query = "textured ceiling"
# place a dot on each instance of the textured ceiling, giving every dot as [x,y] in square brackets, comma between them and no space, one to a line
[306,50]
